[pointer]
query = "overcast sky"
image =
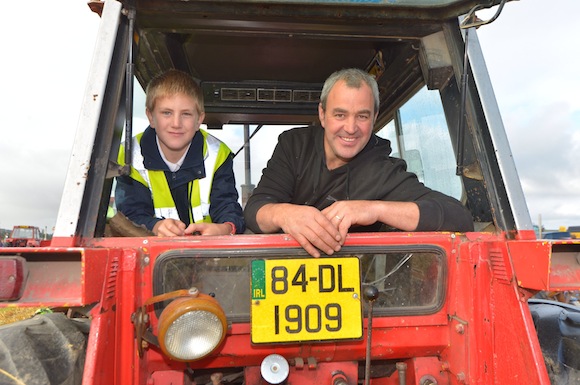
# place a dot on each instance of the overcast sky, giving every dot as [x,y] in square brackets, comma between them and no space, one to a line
[531,52]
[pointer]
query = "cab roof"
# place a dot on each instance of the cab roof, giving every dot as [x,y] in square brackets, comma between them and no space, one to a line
[246,51]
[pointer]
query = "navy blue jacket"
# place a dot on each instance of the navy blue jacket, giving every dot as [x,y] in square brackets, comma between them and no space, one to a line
[134,199]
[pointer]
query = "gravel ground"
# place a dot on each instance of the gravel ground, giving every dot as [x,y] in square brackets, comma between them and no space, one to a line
[13,314]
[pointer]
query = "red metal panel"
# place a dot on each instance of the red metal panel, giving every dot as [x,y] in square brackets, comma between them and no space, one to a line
[470,340]
[421,370]
[516,351]
[531,261]
[54,280]
[61,277]
[546,265]
[94,270]
[100,357]
[492,338]
[102,344]
[170,377]
[126,368]
[565,267]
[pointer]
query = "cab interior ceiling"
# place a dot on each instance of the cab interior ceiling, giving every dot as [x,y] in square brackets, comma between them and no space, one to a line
[295,56]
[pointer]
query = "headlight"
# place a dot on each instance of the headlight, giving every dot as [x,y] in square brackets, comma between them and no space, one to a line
[190,328]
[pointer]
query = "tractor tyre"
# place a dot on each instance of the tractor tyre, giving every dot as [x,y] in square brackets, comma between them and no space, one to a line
[46,349]
[558,328]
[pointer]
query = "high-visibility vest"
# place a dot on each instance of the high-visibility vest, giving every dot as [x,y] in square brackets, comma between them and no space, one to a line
[214,155]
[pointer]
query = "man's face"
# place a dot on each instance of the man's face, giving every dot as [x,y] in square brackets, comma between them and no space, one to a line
[175,120]
[348,122]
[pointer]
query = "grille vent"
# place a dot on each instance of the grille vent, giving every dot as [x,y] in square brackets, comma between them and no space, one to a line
[498,266]
[274,95]
[306,96]
[231,94]
[238,94]
[111,284]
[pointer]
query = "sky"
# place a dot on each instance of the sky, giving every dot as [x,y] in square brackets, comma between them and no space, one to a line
[531,52]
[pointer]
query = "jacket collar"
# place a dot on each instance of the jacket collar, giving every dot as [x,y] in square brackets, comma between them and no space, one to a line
[152,158]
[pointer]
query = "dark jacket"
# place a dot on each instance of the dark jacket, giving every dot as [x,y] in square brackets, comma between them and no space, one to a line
[134,200]
[297,173]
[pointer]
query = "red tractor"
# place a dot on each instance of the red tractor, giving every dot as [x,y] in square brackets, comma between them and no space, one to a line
[419,308]
[24,236]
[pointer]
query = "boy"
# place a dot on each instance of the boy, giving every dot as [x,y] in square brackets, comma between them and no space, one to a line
[181,179]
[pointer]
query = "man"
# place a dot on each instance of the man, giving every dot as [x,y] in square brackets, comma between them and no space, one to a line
[181,180]
[321,181]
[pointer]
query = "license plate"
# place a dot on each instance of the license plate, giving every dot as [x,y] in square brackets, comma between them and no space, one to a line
[311,299]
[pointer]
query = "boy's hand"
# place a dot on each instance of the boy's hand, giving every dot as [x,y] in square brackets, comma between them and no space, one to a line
[209,229]
[169,228]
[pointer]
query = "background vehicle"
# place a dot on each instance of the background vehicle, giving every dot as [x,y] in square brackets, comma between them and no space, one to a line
[575,231]
[557,235]
[24,236]
[408,308]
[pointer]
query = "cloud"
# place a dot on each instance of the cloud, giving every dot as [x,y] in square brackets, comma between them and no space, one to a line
[43,72]
[32,187]
[533,71]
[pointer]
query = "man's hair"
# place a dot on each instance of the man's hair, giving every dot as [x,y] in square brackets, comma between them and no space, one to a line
[170,83]
[353,77]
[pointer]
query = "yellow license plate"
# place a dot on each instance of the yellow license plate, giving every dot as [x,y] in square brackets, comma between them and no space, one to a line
[312,299]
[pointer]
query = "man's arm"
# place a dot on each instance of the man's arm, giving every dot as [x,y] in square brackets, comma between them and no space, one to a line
[440,212]
[437,211]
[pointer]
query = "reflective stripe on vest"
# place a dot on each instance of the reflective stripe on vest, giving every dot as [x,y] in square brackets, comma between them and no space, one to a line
[215,153]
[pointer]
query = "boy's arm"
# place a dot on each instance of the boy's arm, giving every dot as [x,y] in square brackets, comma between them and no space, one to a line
[133,199]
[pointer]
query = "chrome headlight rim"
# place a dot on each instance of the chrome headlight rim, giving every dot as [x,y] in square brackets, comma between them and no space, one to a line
[176,322]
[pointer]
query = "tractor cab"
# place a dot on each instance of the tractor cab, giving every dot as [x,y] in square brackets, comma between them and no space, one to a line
[262,71]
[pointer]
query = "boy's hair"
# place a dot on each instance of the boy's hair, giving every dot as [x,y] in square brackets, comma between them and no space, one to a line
[353,77]
[170,83]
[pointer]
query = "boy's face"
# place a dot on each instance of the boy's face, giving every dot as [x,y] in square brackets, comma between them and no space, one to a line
[348,122]
[175,119]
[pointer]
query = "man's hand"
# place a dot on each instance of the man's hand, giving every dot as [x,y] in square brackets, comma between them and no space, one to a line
[306,224]
[169,228]
[344,214]
[400,215]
